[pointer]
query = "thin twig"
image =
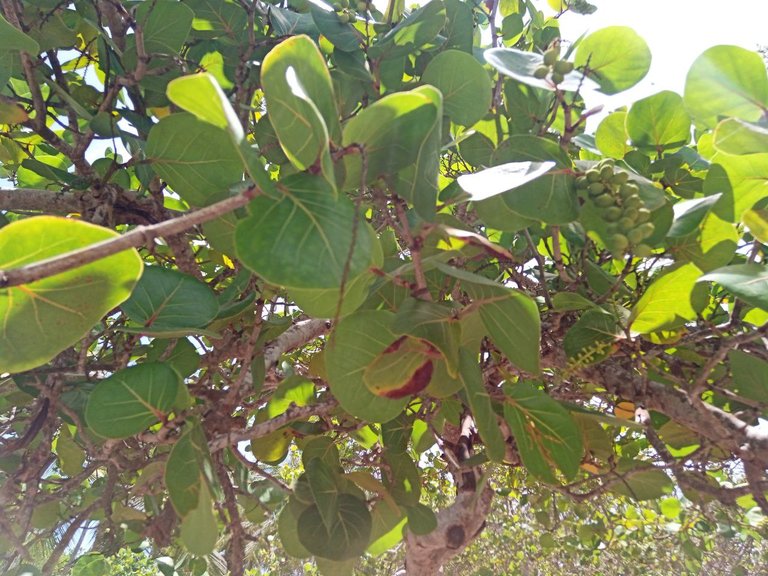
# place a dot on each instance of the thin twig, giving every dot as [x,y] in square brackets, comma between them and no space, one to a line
[140,236]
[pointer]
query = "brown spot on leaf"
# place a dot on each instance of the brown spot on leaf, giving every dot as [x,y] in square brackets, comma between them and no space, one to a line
[415,384]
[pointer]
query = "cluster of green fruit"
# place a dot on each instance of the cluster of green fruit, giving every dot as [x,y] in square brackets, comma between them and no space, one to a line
[619,204]
[345,13]
[552,64]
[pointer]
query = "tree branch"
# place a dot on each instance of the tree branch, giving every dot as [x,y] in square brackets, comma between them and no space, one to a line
[139,236]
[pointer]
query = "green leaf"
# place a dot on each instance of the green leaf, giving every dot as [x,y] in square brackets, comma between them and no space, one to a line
[757,222]
[367,334]
[590,339]
[165,24]
[616,57]
[689,214]
[659,122]
[199,528]
[746,281]
[481,406]
[434,322]
[405,118]
[747,176]
[11,38]
[346,538]
[323,302]
[303,239]
[322,482]
[288,530]
[342,35]
[750,375]
[201,95]
[300,102]
[417,29]
[402,369]
[670,301]
[512,320]
[734,136]
[611,136]
[421,519]
[464,83]
[726,81]
[711,245]
[70,455]
[521,66]
[418,183]
[499,179]
[132,399]
[92,564]
[545,433]
[42,318]
[647,484]
[166,299]
[198,160]
[388,522]
[550,198]
[185,476]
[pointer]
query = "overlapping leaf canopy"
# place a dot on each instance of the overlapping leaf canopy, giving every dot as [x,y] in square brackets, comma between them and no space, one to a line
[332,265]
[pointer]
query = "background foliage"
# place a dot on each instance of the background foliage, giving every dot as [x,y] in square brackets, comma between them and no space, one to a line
[301,288]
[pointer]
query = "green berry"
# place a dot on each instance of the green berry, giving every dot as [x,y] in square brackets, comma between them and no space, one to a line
[612,214]
[643,214]
[563,67]
[362,6]
[631,213]
[618,243]
[344,17]
[541,72]
[643,250]
[581,182]
[550,56]
[592,175]
[606,173]
[633,201]
[647,229]
[344,3]
[627,190]
[620,178]
[604,201]
[626,223]
[596,188]
[635,236]
[557,77]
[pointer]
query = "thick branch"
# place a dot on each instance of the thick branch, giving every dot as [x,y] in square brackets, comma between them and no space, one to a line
[297,335]
[720,427]
[457,526]
[139,236]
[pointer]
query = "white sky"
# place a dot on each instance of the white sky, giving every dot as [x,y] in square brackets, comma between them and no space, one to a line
[676,31]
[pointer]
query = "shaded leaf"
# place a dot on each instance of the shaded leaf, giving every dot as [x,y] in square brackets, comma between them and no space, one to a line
[346,538]
[545,432]
[481,406]
[132,399]
[746,281]
[303,239]
[166,299]
[464,83]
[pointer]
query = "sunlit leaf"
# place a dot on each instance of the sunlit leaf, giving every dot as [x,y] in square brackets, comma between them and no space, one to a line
[42,318]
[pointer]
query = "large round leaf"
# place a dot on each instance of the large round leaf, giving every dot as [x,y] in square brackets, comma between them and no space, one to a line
[347,537]
[659,122]
[197,159]
[405,118]
[185,470]
[464,83]
[616,57]
[169,300]
[42,318]
[356,342]
[132,399]
[300,100]
[303,239]
[726,81]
